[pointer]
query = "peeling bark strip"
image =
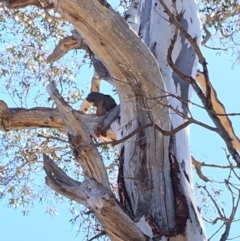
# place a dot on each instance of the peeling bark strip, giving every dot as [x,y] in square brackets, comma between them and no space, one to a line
[219,109]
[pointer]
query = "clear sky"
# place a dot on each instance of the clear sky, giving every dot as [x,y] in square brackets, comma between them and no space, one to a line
[205,146]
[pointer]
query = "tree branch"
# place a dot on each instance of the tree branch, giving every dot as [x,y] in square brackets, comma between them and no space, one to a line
[198,166]
[80,138]
[208,35]
[20,118]
[21,4]
[42,117]
[99,199]
[65,45]
[209,98]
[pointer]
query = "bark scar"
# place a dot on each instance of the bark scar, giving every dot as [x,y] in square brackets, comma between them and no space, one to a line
[182,211]
[123,196]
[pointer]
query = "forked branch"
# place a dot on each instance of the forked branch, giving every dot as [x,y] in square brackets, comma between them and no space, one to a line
[99,199]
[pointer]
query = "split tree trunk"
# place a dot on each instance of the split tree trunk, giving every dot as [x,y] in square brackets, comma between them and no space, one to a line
[154,164]
[155,169]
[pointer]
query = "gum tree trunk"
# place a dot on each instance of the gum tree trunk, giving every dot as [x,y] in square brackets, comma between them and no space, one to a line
[157,168]
[155,192]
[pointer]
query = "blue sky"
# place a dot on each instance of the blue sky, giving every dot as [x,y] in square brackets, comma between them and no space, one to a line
[205,146]
[38,226]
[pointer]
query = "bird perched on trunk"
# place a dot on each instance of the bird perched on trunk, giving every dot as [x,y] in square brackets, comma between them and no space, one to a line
[104,103]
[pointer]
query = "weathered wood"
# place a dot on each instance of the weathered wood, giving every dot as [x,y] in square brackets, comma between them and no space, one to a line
[42,117]
[139,84]
[144,157]
[65,45]
[20,118]
[99,199]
